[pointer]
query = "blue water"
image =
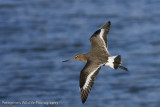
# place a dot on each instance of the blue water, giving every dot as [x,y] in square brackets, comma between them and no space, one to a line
[37,35]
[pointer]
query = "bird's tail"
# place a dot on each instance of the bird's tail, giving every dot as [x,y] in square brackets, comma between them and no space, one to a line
[115,62]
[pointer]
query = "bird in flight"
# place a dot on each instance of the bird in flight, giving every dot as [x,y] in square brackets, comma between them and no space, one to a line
[97,57]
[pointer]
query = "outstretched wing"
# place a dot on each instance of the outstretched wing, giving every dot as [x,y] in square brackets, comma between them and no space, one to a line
[105,29]
[99,38]
[87,78]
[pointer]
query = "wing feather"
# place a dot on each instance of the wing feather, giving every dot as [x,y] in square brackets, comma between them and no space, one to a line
[87,78]
[99,38]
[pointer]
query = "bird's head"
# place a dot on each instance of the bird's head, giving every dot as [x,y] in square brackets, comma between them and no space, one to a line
[80,57]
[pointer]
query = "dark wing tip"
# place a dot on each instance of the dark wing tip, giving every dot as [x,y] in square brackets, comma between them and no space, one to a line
[84,95]
[83,101]
[109,22]
[107,25]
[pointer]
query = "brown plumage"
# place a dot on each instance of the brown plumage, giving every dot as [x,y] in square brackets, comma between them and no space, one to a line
[97,56]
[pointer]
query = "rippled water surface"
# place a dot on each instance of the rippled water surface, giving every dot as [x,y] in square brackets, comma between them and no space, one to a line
[36,35]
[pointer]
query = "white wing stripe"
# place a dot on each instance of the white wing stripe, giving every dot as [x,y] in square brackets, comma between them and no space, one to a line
[89,78]
[101,36]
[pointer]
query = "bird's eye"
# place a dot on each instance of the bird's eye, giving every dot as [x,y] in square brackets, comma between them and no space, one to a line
[77,56]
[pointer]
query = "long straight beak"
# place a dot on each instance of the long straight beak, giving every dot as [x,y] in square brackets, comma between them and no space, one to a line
[69,60]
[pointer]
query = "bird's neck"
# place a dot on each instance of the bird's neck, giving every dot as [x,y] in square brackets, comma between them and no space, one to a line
[84,58]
